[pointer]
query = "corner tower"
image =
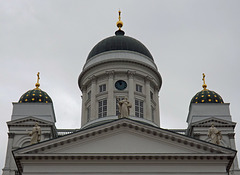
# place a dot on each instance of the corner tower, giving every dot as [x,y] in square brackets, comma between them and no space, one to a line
[33,106]
[117,67]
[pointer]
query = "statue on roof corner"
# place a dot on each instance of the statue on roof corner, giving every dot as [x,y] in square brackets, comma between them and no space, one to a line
[124,107]
[36,134]
[214,135]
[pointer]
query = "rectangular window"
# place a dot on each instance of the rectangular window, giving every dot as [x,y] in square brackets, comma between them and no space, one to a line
[117,108]
[88,113]
[102,88]
[89,95]
[138,108]
[138,88]
[102,108]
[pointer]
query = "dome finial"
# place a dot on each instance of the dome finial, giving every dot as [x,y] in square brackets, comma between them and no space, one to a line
[204,84]
[119,23]
[38,78]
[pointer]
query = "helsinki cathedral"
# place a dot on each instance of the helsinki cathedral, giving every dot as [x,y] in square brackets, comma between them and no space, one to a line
[120,123]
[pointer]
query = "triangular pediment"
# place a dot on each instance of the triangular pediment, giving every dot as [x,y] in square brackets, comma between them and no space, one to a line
[123,136]
[29,121]
[216,121]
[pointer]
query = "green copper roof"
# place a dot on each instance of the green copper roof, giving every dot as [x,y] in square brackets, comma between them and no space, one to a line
[207,96]
[35,96]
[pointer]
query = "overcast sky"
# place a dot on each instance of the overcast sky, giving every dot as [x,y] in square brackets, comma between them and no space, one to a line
[185,37]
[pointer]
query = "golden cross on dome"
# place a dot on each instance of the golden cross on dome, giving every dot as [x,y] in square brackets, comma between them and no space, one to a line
[38,78]
[119,15]
[119,23]
[204,84]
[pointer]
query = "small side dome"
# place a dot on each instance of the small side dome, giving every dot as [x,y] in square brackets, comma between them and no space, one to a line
[206,96]
[35,95]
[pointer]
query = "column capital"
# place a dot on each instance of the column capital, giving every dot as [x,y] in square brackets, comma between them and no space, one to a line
[93,79]
[110,73]
[131,73]
[84,88]
[148,78]
[11,135]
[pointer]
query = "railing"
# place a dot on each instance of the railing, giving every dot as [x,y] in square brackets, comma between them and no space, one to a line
[62,132]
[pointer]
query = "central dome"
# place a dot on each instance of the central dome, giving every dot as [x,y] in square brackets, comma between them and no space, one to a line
[119,42]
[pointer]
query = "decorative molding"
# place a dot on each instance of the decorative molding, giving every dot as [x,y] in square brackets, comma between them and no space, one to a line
[110,74]
[23,122]
[93,79]
[131,73]
[217,122]
[148,78]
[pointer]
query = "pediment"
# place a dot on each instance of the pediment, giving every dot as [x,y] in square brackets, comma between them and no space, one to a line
[123,136]
[29,121]
[216,121]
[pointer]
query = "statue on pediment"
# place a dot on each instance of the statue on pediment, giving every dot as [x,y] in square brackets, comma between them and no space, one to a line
[214,134]
[35,134]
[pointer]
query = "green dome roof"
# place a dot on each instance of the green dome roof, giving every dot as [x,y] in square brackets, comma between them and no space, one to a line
[119,42]
[35,96]
[207,96]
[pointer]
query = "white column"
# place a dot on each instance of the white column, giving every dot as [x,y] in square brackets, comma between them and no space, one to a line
[110,99]
[93,98]
[84,97]
[157,116]
[131,90]
[9,162]
[148,112]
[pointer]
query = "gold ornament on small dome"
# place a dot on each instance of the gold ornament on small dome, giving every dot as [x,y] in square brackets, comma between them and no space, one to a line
[37,84]
[204,84]
[119,23]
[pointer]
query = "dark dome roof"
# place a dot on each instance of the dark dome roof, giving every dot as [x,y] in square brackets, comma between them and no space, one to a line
[35,96]
[119,42]
[207,96]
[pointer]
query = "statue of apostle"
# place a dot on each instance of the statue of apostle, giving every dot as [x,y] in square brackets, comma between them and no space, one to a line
[36,134]
[124,107]
[214,135]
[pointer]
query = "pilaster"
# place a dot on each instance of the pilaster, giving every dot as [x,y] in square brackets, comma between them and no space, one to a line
[84,97]
[93,97]
[157,116]
[131,91]
[110,98]
[148,98]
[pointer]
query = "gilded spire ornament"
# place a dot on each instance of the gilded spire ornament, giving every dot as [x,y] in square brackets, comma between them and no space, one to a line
[204,84]
[119,23]
[38,78]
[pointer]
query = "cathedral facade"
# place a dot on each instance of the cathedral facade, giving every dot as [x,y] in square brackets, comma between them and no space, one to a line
[120,123]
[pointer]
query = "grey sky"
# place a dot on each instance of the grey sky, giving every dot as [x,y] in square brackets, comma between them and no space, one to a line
[185,37]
